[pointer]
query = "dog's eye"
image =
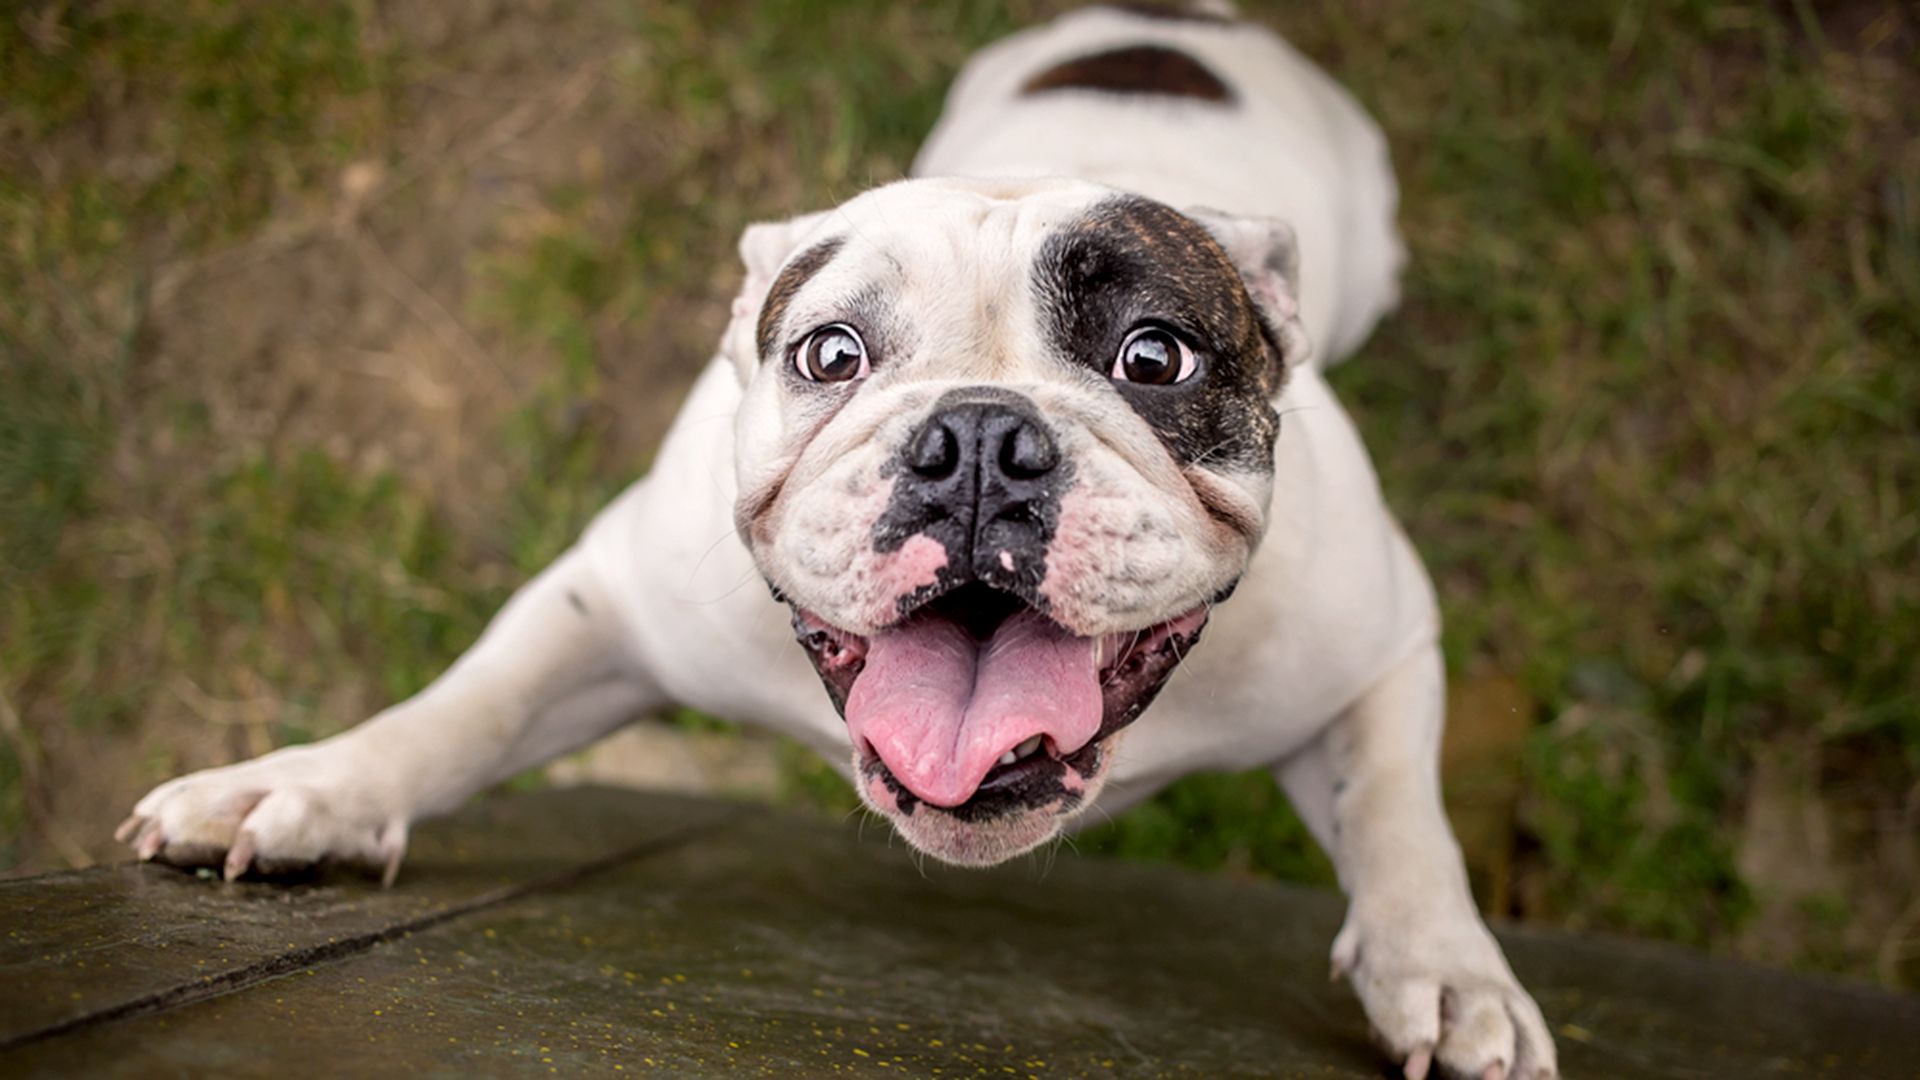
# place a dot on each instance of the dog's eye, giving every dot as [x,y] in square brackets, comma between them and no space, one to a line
[1155,356]
[832,353]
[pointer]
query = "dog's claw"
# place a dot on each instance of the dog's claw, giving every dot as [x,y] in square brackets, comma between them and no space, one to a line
[1495,1071]
[240,856]
[393,844]
[150,842]
[128,828]
[1419,1062]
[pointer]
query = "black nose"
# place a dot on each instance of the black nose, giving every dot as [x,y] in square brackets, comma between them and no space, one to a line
[1000,442]
[983,477]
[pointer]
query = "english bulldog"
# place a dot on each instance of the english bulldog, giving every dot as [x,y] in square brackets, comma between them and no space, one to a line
[1004,441]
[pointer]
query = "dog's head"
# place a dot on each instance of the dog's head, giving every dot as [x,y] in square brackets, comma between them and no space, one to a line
[1002,445]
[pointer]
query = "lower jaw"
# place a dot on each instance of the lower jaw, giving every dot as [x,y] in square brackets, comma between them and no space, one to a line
[977,835]
[976,844]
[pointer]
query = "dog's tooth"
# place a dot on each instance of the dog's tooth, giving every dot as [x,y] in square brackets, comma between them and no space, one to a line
[1028,748]
[1008,758]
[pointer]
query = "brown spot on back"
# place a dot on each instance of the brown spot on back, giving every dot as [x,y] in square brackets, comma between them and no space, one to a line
[1168,12]
[795,275]
[1135,69]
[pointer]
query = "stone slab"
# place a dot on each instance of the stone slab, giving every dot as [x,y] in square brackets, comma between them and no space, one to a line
[768,945]
[83,945]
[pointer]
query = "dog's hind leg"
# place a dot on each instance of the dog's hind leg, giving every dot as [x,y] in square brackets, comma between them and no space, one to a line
[1430,976]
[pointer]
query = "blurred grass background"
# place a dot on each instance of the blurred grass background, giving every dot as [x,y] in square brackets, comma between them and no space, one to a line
[322,325]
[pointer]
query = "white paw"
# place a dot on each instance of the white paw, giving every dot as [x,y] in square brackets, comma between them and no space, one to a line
[1437,991]
[290,809]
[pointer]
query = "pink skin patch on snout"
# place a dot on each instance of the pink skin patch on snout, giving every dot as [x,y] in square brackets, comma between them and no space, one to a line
[899,574]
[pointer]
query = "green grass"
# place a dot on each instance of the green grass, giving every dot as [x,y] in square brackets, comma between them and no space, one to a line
[1649,411]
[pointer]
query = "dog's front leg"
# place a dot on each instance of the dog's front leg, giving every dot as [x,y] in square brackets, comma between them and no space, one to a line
[551,673]
[1430,976]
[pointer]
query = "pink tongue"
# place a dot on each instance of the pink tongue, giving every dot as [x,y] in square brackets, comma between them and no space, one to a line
[940,709]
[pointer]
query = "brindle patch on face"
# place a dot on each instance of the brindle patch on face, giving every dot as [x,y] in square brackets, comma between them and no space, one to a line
[1135,69]
[780,296]
[1130,261]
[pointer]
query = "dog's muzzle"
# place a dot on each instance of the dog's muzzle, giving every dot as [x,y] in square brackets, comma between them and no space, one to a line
[973,700]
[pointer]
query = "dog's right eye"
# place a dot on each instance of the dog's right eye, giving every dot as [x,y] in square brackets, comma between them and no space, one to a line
[1153,356]
[831,354]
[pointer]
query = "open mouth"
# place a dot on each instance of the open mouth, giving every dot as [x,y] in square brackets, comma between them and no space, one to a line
[976,698]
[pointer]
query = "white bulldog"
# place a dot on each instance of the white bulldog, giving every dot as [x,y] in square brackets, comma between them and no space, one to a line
[1002,439]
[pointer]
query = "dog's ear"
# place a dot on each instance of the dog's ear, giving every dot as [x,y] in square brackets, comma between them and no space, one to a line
[1267,255]
[764,248]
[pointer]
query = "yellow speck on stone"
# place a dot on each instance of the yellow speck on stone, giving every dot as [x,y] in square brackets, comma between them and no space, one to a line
[746,973]
[677,977]
[936,1043]
[733,1044]
[861,1052]
[817,992]
[376,1012]
[904,1027]
[1576,1033]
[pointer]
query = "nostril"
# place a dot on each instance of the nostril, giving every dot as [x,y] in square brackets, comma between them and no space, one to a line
[934,452]
[1027,453]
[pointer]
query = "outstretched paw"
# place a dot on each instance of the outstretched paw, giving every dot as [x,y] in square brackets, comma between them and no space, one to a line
[1440,994]
[278,814]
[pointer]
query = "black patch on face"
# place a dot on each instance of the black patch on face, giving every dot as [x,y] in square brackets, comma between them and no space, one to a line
[780,296]
[1154,70]
[1001,495]
[1130,261]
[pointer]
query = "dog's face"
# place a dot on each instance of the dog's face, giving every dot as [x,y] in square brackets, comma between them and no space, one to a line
[1002,445]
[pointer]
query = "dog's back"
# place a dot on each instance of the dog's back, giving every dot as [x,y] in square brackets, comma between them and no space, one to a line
[1195,109]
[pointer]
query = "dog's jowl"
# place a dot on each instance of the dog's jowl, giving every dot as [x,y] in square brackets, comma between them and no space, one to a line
[1003,440]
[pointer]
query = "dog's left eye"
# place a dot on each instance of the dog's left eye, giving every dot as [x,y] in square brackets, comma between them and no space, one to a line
[1155,356]
[832,353]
